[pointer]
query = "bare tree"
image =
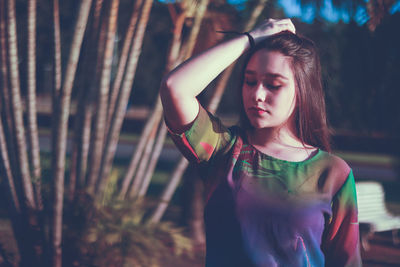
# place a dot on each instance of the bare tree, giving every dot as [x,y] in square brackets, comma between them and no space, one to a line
[197,10]
[16,103]
[144,160]
[101,115]
[6,169]
[123,60]
[122,100]
[5,94]
[61,137]
[152,123]
[31,103]
[133,165]
[24,223]
[82,127]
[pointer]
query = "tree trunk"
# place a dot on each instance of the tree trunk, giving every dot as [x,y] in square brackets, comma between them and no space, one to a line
[122,100]
[153,120]
[25,224]
[122,61]
[101,114]
[57,48]
[82,127]
[31,103]
[169,191]
[137,181]
[57,71]
[176,39]
[187,50]
[19,129]
[5,97]
[162,133]
[61,137]
[6,171]
[92,100]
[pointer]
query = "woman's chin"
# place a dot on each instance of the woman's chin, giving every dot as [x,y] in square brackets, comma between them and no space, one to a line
[260,125]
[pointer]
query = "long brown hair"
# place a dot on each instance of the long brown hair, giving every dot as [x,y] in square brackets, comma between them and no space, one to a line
[309,113]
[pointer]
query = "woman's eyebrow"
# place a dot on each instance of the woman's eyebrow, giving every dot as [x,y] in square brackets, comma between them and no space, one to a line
[250,72]
[276,75]
[268,75]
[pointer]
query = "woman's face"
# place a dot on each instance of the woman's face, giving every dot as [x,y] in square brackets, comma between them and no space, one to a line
[268,90]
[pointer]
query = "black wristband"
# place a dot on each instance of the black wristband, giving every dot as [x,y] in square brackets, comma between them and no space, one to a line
[251,39]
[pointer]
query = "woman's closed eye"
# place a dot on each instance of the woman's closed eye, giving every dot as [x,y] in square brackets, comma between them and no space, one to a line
[273,87]
[250,82]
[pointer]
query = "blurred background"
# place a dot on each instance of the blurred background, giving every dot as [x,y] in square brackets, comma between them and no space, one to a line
[88,174]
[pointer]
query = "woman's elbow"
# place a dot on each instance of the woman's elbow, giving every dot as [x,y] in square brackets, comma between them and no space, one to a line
[164,88]
[168,88]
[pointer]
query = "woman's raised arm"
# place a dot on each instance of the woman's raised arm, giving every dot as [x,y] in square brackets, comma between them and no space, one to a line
[180,87]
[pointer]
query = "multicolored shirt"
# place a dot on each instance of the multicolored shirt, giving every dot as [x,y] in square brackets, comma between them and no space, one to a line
[264,211]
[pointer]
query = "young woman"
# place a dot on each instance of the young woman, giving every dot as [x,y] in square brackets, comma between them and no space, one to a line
[275,194]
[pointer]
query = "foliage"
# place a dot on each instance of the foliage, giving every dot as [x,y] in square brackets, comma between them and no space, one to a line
[114,235]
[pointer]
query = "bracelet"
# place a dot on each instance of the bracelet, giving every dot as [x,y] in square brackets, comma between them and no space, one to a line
[251,39]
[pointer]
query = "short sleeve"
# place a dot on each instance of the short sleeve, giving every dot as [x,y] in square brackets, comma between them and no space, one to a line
[206,138]
[341,237]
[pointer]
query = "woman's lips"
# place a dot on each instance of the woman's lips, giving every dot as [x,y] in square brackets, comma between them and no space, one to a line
[258,110]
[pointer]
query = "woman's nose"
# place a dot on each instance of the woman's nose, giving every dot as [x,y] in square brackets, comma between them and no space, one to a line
[260,93]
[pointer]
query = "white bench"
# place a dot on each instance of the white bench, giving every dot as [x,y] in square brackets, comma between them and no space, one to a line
[373,215]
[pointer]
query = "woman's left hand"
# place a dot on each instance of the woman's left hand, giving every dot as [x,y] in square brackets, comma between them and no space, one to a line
[270,27]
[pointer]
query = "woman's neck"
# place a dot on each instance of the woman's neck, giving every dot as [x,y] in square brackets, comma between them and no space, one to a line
[280,143]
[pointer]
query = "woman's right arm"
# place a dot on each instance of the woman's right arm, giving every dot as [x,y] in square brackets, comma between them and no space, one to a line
[181,86]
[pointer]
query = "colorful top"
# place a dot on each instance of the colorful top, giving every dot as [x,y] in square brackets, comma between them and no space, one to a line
[263,211]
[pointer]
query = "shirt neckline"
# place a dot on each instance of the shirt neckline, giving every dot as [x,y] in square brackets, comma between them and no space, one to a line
[315,155]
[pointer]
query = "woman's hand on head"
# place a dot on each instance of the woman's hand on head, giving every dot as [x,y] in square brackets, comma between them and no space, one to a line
[270,27]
